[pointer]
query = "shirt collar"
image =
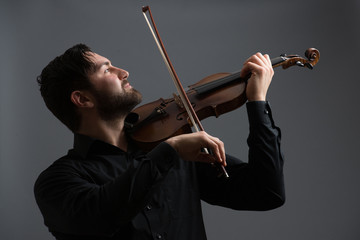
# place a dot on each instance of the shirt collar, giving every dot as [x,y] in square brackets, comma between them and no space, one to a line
[82,144]
[85,145]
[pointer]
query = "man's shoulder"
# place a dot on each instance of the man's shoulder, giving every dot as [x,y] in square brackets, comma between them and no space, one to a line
[60,170]
[66,163]
[70,159]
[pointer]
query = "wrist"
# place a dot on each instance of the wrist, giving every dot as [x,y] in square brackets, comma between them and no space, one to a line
[256,98]
[172,142]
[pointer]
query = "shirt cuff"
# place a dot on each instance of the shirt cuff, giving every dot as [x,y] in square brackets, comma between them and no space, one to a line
[259,112]
[164,156]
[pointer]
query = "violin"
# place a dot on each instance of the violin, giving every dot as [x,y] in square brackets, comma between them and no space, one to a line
[214,95]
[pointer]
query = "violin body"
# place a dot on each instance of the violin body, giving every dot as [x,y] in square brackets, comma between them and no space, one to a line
[168,117]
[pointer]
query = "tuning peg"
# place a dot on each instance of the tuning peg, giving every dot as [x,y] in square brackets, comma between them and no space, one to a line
[308,65]
[300,64]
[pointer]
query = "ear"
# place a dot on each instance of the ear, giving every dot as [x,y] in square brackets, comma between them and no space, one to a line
[82,99]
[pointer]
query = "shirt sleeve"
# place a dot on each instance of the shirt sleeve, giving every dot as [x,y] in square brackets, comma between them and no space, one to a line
[72,203]
[257,184]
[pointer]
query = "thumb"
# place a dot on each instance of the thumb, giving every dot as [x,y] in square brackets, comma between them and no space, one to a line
[205,157]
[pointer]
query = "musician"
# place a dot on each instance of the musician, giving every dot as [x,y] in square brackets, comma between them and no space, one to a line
[107,188]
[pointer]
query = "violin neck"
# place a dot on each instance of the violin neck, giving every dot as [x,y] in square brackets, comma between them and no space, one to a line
[277,61]
[222,82]
[232,78]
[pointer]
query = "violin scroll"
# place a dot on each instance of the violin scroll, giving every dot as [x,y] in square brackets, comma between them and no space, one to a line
[312,55]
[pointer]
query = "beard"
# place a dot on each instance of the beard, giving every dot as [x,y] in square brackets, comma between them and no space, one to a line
[116,106]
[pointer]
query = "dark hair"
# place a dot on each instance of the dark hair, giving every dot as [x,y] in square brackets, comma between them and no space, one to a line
[62,76]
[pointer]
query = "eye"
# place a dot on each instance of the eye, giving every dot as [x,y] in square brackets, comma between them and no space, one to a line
[107,70]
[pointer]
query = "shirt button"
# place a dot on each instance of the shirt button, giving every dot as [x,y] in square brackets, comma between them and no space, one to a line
[148,207]
[266,111]
[158,236]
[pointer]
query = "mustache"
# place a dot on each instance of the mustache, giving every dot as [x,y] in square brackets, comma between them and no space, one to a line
[124,82]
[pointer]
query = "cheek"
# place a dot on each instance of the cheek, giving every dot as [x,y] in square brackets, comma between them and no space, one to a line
[110,85]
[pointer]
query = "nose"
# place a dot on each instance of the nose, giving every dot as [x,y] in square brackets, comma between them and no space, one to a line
[123,74]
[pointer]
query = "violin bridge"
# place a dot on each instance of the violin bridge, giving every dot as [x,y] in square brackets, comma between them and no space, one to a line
[178,101]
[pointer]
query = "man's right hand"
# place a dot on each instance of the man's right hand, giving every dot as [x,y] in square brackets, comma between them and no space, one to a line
[189,147]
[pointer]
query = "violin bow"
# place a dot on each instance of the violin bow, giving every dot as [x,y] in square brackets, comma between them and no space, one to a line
[183,96]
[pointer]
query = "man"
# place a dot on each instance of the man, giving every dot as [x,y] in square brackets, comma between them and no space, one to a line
[106,188]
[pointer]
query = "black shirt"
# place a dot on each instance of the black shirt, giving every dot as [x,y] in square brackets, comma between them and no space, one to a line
[98,191]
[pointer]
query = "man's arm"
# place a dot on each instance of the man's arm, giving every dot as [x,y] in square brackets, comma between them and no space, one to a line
[258,184]
[73,203]
[254,185]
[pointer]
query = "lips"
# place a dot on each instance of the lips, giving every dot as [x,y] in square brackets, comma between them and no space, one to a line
[126,84]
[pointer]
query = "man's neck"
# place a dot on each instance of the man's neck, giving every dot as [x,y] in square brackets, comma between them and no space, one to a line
[110,132]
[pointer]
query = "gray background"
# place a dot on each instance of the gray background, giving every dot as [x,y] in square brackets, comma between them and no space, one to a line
[317,110]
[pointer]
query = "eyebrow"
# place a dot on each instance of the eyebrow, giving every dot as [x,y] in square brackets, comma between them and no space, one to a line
[98,66]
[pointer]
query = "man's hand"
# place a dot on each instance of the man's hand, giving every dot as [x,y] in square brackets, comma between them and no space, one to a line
[189,147]
[261,75]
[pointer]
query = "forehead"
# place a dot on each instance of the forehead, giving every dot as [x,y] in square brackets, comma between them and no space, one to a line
[97,59]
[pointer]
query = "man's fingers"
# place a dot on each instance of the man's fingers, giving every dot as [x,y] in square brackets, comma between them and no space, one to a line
[190,146]
[218,149]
